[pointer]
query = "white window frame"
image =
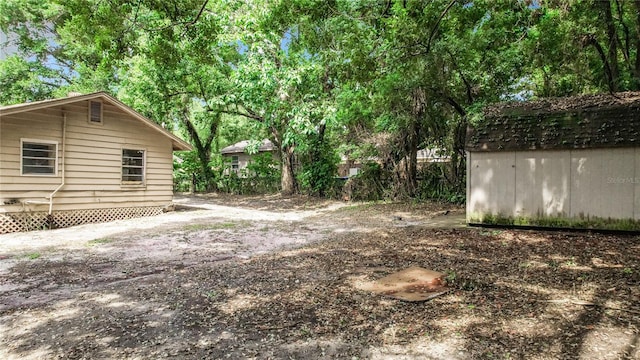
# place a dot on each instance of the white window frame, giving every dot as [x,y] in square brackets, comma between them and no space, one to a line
[101,112]
[43,142]
[144,167]
[235,161]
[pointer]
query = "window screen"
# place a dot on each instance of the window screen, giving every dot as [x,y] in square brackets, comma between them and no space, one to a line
[132,165]
[39,158]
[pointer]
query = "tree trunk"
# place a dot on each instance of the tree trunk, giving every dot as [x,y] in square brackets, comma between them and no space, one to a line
[612,46]
[288,180]
[637,64]
[414,132]
[458,158]
[203,148]
[411,160]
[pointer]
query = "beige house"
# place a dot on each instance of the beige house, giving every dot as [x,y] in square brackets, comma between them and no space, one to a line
[80,159]
[568,162]
[350,167]
[239,158]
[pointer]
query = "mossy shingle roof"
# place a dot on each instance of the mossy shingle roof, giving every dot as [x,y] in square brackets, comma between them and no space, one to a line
[579,122]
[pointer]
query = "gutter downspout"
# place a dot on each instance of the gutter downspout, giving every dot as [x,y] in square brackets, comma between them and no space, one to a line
[64,136]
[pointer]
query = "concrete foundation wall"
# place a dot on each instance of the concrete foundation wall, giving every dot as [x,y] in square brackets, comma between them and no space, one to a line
[593,183]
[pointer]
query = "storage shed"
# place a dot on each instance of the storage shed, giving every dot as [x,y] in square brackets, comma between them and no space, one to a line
[80,159]
[563,162]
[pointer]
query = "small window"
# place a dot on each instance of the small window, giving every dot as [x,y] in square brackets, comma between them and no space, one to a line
[95,112]
[132,166]
[235,164]
[39,157]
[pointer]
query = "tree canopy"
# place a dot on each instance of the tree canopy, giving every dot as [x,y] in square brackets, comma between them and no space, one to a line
[356,79]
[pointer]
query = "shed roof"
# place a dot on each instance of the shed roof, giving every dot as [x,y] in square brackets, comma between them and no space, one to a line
[240,147]
[178,144]
[578,122]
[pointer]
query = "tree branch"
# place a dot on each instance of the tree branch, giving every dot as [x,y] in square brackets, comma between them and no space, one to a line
[459,109]
[195,20]
[590,39]
[467,85]
[186,23]
[437,24]
[248,114]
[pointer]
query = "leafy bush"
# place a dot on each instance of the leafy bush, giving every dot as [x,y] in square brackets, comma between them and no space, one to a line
[317,177]
[369,184]
[434,185]
[261,176]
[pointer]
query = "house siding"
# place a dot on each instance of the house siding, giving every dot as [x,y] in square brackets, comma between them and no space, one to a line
[92,162]
[243,161]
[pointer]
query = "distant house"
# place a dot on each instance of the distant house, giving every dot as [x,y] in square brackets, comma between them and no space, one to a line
[81,159]
[566,162]
[239,158]
[431,155]
[348,167]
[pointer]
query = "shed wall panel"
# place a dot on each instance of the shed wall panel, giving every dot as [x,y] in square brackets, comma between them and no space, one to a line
[492,189]
[598,184]
[578,183]
[542,183]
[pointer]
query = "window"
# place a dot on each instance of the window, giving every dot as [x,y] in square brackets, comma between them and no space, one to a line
[39,157]
[235,164]
[95,112]
[132,166]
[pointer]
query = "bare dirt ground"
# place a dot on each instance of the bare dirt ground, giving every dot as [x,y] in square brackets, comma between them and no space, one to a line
[273,278]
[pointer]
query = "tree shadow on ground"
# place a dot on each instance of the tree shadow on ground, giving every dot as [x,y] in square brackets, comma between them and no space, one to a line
[512,298]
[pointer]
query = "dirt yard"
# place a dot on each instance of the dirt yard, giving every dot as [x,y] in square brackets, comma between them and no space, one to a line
[274,278]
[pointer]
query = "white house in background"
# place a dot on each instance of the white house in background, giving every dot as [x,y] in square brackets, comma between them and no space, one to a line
[81,159]
[349,167]
[566,162]
[238,157]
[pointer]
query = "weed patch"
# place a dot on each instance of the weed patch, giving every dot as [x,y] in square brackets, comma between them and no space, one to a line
[99,241]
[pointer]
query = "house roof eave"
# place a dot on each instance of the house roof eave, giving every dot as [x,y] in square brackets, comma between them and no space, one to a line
[177,143]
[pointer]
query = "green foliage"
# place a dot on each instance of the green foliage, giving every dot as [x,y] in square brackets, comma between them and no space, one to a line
[368,185]
[99,241]
[434,184]
[22,80]
[261,176]
[318,175]
[559,222]
[381,79]
[33,256]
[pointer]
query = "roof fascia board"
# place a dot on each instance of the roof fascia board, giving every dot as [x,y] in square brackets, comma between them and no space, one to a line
[178,144]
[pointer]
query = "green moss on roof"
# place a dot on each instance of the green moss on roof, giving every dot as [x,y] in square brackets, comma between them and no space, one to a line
[579,122]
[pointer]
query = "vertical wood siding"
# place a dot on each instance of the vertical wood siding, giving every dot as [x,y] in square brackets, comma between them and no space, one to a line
[603,183]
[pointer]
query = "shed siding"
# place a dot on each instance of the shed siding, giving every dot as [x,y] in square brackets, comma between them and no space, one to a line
[492,183]
[577,183]
[542,183]
[92,162]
